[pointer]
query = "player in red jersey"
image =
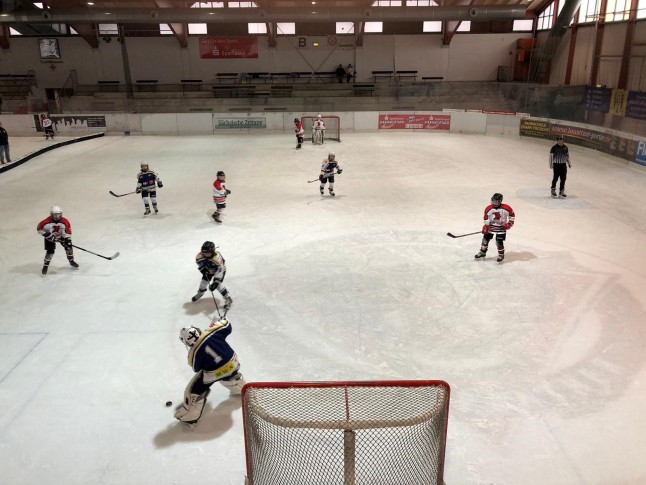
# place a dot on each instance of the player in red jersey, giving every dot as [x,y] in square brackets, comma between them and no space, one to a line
[498,219]
[56,229]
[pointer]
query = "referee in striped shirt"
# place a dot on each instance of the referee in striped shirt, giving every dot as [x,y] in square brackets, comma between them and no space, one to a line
[559,163]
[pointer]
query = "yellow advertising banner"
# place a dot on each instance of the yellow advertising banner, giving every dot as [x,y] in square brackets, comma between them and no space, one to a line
[618,102]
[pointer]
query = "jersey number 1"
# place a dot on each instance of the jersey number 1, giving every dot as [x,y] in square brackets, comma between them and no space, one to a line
[213,354]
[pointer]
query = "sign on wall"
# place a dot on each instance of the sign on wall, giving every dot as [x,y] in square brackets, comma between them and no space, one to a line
[535,128]
[598,99]
[414,122]
[636,105]
[239,123]
[228,47]
[640,156]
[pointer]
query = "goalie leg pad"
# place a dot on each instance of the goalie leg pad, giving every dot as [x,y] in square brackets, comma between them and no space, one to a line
[234,384]
[195,396]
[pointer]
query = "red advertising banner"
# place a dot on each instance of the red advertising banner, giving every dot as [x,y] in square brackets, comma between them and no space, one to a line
[228,47]
[414,122]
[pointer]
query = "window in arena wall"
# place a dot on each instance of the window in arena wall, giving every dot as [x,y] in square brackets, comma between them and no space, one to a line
[546,18]
[421,3]
[257,28]
[13,31]
[465,26]
[373,27]
[164,29]
[432,26]
[242,4]
[285,28]
[617,10]
[197,29]
[72,31]
[588,11]
[523,25]
[208,5]
[345,28]
[108,29]
[387,3]
[641,9]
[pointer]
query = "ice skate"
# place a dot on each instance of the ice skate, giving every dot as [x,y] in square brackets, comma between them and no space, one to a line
[332,193]
[198,295]
[500,258]
[216,217]
[147,211]
[44,270]
[228,302]
[74,264]
[553,192]
[322,192]
[156,210]
[562,194]
[481,254]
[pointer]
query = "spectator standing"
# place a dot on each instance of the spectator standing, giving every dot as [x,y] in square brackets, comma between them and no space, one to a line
[340,73]
[349,72]
[4,145]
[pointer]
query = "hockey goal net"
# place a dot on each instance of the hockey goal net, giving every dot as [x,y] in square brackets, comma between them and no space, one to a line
[332,127]
[346,433]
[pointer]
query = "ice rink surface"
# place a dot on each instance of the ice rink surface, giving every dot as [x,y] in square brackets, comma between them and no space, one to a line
[544,352]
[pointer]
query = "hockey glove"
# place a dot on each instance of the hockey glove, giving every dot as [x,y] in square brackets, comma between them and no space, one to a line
[66,243]
[508,226]
[321,177]
[338,171]
[159,184]
[213,286]
[227,191]
[485,229]
[50,237]
[138,190]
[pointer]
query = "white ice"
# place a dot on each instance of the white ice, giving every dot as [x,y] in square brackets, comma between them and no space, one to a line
[544,352]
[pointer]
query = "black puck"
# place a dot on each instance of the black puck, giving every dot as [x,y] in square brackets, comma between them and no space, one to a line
[169,404]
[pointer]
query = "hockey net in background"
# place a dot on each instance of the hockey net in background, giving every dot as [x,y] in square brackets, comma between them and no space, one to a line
[349,433]
[332,127]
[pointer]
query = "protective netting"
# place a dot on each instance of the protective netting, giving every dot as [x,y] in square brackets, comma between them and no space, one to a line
[346,434]
[332,127]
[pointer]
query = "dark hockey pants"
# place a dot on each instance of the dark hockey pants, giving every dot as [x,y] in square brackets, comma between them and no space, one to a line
[560,171]
[500,238]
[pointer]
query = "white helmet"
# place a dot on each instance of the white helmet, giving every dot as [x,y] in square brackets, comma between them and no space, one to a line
[56,210]
[144,164]
[318,116]
[330,156]
[189,336]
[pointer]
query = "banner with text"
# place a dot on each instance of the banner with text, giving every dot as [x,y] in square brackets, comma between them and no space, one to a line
[535,128]
[239,123]
[414,122]
[228,47]
[598,99]
[636,105]
[614,145]
[640,157]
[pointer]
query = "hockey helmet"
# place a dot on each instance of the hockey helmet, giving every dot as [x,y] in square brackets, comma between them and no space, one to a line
[56,212]
[296,120]
[330,156]
[189,336]
[318,116]
[208,247]
[42,115]
[496,198]
[144,164]
[560,138]
[221,173]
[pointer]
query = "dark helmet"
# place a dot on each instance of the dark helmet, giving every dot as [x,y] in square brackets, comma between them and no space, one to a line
[296,120]
[208,247]
[560,138]
[496,198]
[221,173]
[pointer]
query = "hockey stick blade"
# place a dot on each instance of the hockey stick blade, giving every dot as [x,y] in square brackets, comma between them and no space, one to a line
[462,235]
[114,256]
[310,181]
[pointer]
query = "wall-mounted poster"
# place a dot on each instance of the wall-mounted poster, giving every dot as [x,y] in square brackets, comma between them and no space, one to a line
[49,48]
[228,47]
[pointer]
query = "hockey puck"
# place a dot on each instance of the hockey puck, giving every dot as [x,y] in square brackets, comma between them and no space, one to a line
[169,404]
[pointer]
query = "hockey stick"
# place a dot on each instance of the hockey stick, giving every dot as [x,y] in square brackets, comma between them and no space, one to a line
[114,256]
[310,181]
[217,308]
[462,235]
[121,195]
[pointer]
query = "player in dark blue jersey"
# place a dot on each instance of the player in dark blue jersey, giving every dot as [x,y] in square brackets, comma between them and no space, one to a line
[210,264]
[329,168]
[213,360]
[147,183]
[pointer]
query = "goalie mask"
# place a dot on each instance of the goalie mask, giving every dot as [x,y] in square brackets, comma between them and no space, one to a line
[189,336]
[496,200]
[56,212]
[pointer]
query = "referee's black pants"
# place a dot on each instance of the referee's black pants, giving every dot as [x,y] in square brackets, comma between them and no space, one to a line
[560,171]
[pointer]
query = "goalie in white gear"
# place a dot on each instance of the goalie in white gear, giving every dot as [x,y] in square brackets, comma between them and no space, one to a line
[213,360]
[318,131]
